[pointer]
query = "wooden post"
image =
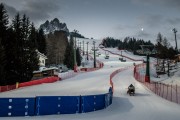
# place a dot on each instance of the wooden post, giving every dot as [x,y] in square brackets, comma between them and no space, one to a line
[17,85]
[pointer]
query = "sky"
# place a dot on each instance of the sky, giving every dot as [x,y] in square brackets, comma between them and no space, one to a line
[106,18]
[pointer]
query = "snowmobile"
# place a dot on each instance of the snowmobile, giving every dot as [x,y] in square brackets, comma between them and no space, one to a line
[131,90]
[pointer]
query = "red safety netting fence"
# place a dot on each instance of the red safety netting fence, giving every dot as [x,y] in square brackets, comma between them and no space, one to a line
[115,73]
[30,83]
[7,88]
[40,81]
[169,92]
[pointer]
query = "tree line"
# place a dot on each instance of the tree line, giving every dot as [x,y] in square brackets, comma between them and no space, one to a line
[60,50]
[19,41]
[75,34]
[162,47]
[69,54]
[130,44]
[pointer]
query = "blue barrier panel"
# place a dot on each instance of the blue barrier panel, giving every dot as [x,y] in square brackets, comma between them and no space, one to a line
[108,99]
[93,102]
[17,107]
[110,96]
[47,105]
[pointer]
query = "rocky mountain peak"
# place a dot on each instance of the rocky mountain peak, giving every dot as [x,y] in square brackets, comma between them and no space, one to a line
[53,25]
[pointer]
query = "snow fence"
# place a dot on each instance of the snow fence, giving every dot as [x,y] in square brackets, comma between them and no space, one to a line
[119,70]
[48,105]
[115,73]
[30,83]
[168,92]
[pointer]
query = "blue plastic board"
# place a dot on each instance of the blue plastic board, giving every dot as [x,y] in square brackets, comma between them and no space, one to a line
[57,105]
[108,99]
[17,107]
[93,103]
[70,104]
[99,102]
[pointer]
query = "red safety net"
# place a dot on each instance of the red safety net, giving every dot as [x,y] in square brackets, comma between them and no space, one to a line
[7,88]
[169,92]
[40,81]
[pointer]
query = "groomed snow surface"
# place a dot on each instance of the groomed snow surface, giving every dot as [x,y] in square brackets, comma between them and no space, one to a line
[145,105]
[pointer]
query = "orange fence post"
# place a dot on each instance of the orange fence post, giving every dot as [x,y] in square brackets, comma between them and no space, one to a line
[17,85]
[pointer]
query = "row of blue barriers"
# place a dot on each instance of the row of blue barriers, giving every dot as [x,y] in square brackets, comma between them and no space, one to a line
[48,105]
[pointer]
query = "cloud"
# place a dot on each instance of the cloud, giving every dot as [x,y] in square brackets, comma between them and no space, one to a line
[120,27]
[150,20]
[36,10]
[125,27]
[142,34]
[10,10]
[174,21]
[40,9]
[169,3]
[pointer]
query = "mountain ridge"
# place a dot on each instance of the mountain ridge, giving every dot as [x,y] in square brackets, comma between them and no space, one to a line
[53,25]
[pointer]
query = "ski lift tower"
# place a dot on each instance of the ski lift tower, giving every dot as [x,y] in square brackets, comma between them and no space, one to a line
[147,49]
[75,47]
[175,31]
[94,49]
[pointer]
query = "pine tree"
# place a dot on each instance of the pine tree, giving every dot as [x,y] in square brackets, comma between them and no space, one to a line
[2,66]
[41,40]
[11,56]
[69,54]
[3,42]
[165,42]
[18,57]
[32,59]
[3,23]
[17,28]
[78,57]
[159,38]
[25,45]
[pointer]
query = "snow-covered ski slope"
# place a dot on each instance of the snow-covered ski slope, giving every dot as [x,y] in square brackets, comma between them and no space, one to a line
[145,105]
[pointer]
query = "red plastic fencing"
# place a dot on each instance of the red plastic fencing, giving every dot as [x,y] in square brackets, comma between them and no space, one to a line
[116,72]
[30,83]
[7,88]
[40,81]
[169,92]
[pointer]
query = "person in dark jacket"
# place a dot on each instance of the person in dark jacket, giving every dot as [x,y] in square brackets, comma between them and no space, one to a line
[131,89]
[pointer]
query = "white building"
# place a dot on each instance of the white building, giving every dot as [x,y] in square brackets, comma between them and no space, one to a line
[42,59]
